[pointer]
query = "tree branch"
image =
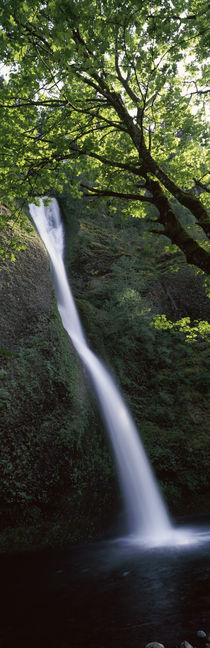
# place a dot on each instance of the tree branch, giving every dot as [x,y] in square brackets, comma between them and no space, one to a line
[119,165]
[50,102]
[124,82]
[117,194]
[184,197]
[194,252]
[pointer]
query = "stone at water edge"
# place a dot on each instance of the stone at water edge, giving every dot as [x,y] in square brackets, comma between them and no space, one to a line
[186,644]
[201,634]
[154,644]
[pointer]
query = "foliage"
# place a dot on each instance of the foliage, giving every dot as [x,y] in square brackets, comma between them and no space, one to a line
[10,236]
[191,333]
[159,361]
[115,92]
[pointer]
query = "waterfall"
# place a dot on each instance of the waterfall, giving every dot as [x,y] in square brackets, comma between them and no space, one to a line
[145,509]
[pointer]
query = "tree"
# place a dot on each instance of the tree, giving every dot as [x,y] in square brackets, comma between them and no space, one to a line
[115,92]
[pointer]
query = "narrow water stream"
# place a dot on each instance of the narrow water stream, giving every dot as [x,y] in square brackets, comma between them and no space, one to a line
[146,513]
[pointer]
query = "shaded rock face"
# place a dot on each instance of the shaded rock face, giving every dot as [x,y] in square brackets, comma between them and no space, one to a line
[53,452]
[26,293]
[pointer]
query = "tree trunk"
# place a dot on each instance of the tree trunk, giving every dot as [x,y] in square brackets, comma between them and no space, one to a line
[195,254]
[184,198]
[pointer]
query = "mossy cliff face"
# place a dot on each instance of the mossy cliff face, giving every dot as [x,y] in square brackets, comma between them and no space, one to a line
[56,470]
[58,481]
[122,280]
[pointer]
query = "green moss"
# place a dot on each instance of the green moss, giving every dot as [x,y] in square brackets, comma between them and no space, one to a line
[56,471]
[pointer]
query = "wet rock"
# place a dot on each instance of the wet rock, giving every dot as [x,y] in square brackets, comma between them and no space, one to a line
[201,634]
[154,644]
[186,644]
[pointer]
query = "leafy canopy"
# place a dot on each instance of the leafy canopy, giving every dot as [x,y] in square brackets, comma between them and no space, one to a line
[112,92]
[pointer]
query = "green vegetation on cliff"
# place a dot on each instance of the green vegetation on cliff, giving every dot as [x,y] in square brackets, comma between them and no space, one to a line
[145,313]
[56,470]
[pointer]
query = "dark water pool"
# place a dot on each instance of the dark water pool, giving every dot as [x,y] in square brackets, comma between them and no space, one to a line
[107,594]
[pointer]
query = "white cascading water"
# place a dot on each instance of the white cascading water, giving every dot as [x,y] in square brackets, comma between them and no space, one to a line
[146,512]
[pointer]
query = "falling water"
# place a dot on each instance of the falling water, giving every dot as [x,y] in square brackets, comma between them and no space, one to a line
[146,513]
